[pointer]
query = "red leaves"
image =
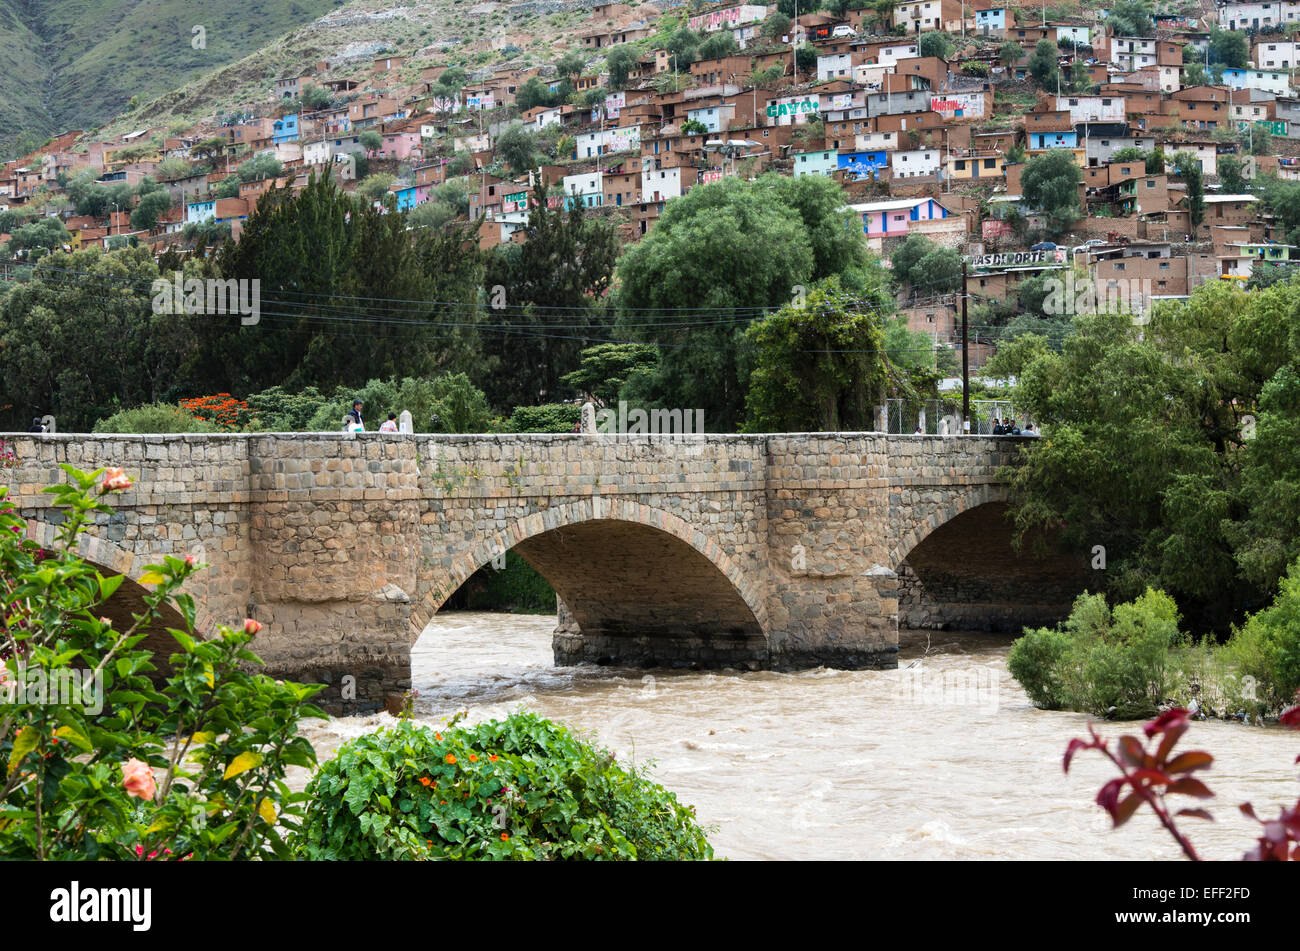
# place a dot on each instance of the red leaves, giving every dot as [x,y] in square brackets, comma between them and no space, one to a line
[1280,840]
[1150,774]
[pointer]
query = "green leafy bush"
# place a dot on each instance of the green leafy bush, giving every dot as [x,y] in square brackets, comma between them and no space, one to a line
[1122,661]
[1266,649]
[154,418]
[516,587]
[126,760]
[1036,661]
[547,418]
[521,788]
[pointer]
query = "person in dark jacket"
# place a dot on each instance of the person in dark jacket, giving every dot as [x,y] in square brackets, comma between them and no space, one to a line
[36,425]
[353,419]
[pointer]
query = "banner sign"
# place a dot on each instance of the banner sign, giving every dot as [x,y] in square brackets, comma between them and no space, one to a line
[1019,259]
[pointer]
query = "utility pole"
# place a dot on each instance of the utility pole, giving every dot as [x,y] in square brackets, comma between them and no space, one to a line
[965,358]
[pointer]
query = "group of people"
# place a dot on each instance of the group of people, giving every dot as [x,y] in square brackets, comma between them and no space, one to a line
[1008,427]
[352,421]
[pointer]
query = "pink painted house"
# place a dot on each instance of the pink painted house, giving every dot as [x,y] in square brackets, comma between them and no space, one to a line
[888,219]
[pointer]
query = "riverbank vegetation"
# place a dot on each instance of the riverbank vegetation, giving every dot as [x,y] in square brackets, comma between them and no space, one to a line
[519,788]
[1133,659]
[1171,456]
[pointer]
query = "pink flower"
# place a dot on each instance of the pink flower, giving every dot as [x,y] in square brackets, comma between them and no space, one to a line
[137,779]
[251,626]
[115,480]
[190,561]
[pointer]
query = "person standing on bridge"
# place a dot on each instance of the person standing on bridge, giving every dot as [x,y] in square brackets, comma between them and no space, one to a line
[352,422]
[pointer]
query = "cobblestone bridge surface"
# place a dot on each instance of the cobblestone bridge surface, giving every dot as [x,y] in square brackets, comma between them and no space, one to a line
[764,551]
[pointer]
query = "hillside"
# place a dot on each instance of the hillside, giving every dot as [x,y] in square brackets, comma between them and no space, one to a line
[76,63]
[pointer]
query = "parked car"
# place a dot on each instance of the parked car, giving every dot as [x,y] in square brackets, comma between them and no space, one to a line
[1091,243]
[843,30]
[1043,246]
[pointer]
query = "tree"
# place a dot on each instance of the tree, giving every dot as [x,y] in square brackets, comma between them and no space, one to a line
[1156,161]
[1230,177]
[1050,183]
[819,365]
[263,166]
[42,234]
[571,65]
[532,94]
[775,26]
[517,147]
[719,44]
[1130,153]
[1186,509]
[620,61]
[376,186]
[728,251]
[683,48]
[1010,53]
[1131,18]
[318,254]
[694,127]
[606,368]
[936,44]
[1044,66]
[1188,167]
[805,58]
[371,141]
[1228,48]
[560,274]
[151,207]
[315,97]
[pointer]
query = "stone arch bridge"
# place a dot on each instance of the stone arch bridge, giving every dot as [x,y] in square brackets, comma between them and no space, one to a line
[763,551]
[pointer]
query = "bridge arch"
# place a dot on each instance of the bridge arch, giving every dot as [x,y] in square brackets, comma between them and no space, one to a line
[590,552]
[941,514]
[958,569]
[111,558]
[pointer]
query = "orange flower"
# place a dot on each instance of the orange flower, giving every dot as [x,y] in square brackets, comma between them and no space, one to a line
[450,759]
[424,780]
[437,736]
[504,837]
[444,802]
[492,757]
[473,757]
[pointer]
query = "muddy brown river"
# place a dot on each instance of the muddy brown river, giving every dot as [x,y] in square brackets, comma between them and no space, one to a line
[944,758]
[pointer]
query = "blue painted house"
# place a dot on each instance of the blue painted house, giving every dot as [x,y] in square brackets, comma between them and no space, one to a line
[1053,140]
[860,165]
[987,21]
[285,129]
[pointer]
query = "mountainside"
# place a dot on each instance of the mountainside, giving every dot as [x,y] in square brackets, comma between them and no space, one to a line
[76,63]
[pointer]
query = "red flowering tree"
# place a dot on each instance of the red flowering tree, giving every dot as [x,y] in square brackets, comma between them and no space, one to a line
[233,415]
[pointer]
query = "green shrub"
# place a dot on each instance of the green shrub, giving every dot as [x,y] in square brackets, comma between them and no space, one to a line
[154,418]
[522,788]
[1267,649]
[547,418]
[517,587]
[1103,661]
[1036,661]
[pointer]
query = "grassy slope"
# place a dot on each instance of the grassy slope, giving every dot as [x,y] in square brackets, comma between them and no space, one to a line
[103,52]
